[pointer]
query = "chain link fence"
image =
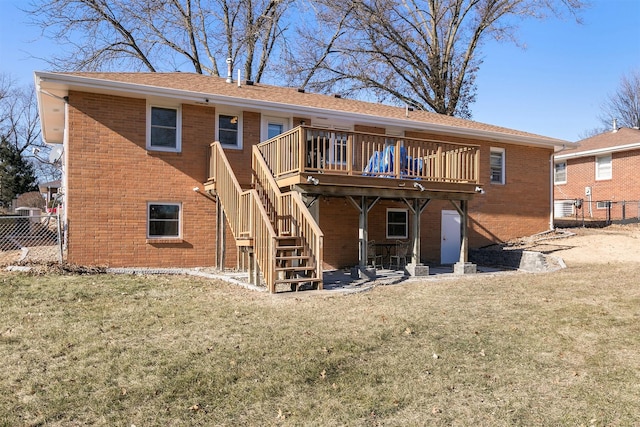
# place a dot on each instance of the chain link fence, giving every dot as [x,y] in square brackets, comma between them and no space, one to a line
[30,239]
[596,213]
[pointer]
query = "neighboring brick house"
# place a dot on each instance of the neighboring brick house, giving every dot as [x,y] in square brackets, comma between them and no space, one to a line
[601,174]
[314,175]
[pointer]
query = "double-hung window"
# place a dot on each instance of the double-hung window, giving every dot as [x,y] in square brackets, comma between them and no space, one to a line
[164,128]
[603,167]
[560,172]
[397,223]
[163,220]
[229,130]
[497,163]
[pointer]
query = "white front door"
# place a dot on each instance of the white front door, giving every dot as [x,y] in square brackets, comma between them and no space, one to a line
[273,126]
[450,237]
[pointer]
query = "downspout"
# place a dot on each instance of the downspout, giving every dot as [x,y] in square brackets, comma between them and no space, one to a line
[552,185]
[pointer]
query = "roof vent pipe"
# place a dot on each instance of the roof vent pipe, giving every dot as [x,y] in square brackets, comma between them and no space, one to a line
[615,125]
[229,71]
[239,75]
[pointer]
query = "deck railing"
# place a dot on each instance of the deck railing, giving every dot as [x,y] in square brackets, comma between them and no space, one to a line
[305,150]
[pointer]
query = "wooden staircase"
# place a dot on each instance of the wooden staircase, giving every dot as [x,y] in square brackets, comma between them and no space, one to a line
[275,230]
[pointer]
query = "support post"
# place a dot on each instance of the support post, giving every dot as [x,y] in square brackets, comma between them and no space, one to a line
[415,267]
[463,266]
[254,269]
[363,235]
[221,243]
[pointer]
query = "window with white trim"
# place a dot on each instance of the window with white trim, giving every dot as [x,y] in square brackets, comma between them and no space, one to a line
[603,167]
[273,126]
[229,130]
[603,205]
[496,159]
[560,172]
[163,220]
[164,131]
[397,223]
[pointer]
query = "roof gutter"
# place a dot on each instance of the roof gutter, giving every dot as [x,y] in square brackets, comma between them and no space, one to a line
[598,151]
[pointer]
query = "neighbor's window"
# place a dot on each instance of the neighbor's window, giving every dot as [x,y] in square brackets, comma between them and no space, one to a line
[603,205]
[397,223]
[163,128]
[496,160]
[603,167]
[163,220]
[560,173]
[229,130]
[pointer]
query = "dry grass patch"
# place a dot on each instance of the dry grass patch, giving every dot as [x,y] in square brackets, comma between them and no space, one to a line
[514,349]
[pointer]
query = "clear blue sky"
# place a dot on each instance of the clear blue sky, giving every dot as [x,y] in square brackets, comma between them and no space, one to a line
[553,87]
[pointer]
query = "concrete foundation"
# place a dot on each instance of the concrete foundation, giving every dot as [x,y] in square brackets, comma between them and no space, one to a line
[417,269]
[464,268]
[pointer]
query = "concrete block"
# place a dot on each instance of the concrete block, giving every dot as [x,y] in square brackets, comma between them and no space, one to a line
[464,268]
[362,271]
[417,269]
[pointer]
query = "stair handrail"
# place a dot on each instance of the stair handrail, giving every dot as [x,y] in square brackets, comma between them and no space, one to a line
[257,226]
[307,228]
[292,215]
[268,189]
[264,240]
[228,189]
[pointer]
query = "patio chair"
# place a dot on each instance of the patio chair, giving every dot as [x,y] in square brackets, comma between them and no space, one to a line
[400,256]
[373,258]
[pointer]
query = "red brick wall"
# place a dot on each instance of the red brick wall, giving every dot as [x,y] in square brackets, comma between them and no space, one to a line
[111,177]
[623,186]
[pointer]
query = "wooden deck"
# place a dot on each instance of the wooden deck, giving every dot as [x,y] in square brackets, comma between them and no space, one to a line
[273,227]
[341,163]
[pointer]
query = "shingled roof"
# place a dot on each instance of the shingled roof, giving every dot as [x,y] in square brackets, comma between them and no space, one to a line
[203,85]
[622,139]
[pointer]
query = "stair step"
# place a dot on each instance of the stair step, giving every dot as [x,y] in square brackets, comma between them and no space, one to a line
[299,280]
[287,258]
[289,248]
[288,237]
[298,268]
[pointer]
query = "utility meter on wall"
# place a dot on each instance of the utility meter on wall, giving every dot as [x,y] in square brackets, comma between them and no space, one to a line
[587,191]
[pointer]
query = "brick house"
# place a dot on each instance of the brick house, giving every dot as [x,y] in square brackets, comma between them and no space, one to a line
[601,174]
[294,183]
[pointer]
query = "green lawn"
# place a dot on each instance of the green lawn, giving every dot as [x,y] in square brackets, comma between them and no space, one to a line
[514,349]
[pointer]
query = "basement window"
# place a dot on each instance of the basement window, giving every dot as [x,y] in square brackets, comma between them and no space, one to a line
[163,220]
[397,223]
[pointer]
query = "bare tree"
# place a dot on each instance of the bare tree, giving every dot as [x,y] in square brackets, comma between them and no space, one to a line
[624,104]
[421,53]
[20,127]
[162,35]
